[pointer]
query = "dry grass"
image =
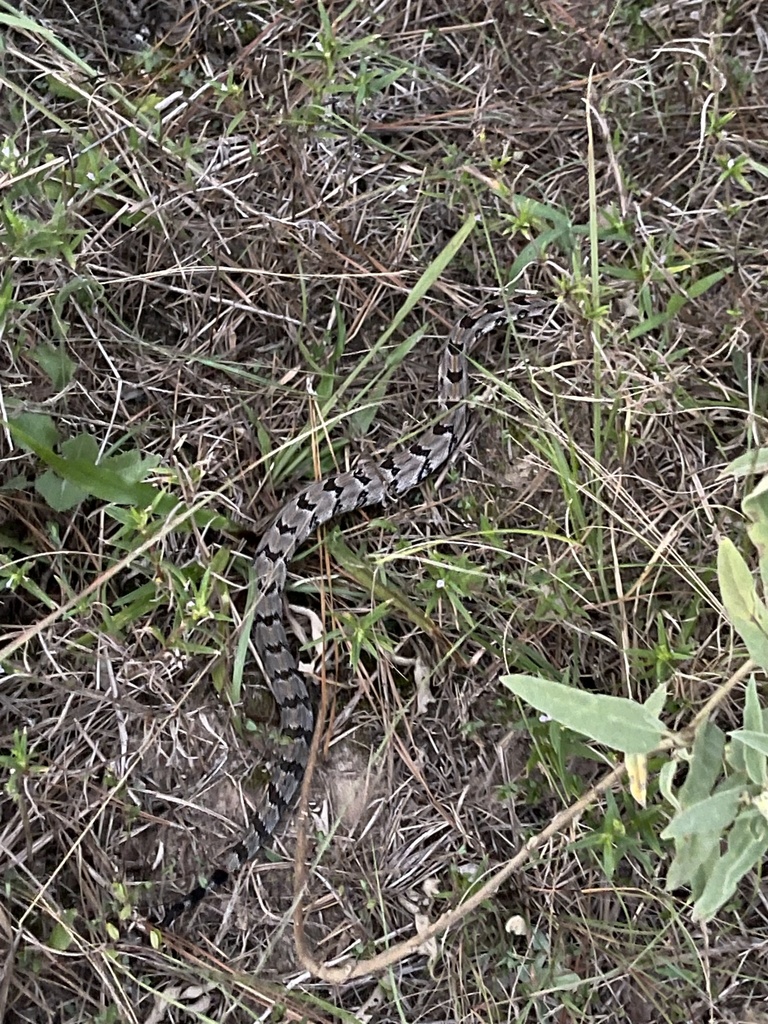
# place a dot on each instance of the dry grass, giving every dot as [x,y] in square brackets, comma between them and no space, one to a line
[202,243]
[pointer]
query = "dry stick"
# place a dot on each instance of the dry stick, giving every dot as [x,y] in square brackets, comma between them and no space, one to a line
[382,961]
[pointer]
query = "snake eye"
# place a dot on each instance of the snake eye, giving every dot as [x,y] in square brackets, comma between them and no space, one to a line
[528,306]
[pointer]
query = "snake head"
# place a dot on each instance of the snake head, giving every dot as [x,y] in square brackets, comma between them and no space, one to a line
[527,307]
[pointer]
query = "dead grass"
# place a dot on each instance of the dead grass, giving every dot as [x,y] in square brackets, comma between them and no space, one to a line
[202,243]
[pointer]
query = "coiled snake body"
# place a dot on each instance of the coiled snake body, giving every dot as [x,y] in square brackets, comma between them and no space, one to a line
[371,482]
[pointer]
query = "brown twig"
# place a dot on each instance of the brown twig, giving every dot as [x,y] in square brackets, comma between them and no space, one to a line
[451,918]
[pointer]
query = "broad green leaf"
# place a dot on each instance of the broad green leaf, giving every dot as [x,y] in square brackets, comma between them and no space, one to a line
[656,701]
[760,803]
[692,854]
[60,938]
[17,482]
[60,494]
[54,361]
[702,874]
[752,740]
[737,586]
[749,464]
[666,778]
[132,466]
[615,721]
[758,534]
[706,765]
[533,250]
[98,481]
[755,507]
[710,816]
[543,211]
[755,504]
[754,633]
[39,427]
[747,842]
[734,755]
[754,757]
[82,446]
[565,981]
[746,611]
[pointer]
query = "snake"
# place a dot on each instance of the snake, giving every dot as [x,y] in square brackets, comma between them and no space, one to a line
[371,481]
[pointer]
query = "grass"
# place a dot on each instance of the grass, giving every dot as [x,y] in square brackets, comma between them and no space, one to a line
[228,261]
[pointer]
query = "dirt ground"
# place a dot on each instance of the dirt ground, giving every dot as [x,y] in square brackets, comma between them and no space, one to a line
[213,215]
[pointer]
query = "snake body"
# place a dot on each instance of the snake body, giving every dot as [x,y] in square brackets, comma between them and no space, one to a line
[370,482]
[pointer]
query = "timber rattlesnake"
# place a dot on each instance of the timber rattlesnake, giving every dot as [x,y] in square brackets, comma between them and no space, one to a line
[371,482]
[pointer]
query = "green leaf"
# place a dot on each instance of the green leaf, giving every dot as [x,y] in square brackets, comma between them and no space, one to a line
[747,842]
[650,323]
[244,638]
[676,303]
[666,778]
[749,464]
[132,466]
[97,480]
[60,494]
[614,721]
[54,360]
[755,508]
[694,854]
[758,534]
[533,250]
[711,816]
[61,935]
[746,611]
[734,755]
[655,701]
[737,587]
[705,767]
[708,281]
[754,756]
[83,447]
[757,741]
[133,607]
[40,428]
[755,503]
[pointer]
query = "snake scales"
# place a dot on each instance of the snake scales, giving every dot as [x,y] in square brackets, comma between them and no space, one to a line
[370,482]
